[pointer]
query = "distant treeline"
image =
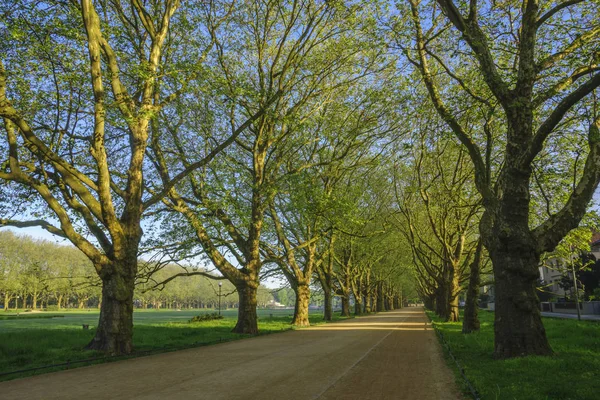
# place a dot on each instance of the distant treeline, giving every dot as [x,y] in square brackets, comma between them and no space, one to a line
[39,274]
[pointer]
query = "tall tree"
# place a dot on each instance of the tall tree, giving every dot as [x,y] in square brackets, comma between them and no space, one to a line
[74,145]
[287,57]
[537,74]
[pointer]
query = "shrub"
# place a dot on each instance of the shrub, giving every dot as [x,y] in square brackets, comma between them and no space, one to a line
[206,317]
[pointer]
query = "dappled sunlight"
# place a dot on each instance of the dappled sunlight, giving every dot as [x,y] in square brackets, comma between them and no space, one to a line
[376,326]
[384,324]
[395,316]
[403,312]
[367,328]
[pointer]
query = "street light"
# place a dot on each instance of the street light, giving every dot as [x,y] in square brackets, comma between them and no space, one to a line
[220,284]
[576,288]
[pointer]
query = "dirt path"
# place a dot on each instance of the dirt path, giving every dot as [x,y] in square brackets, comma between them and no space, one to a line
[392,355]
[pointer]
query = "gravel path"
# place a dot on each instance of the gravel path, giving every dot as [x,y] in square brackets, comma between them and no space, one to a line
[392,355]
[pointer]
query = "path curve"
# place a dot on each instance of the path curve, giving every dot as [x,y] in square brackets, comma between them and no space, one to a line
[391,355]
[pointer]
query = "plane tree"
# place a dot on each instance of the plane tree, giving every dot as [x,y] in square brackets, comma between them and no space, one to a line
[285,57]
[76,127]
[535,72]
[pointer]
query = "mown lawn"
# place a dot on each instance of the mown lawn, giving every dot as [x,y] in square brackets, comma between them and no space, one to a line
[571,374]
[32,342]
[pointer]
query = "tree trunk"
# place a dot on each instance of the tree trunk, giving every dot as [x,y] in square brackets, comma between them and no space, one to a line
[357,306]
[439,302]
[345,306]
[442,308]
[429,302]
[115,327]
[453,292]
[380,298]
[247,322]
[301,306]
[471,318]
[59,301]
[367,303]
[518,326]
[34,301]
[327,306]
[387,303]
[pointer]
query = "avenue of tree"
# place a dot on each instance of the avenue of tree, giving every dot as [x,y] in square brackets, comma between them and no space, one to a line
[367,149]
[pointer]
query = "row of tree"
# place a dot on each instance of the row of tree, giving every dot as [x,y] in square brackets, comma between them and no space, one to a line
[38,274]
[364,145]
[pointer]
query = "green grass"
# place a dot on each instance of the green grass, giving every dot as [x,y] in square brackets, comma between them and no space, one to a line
[33,342]
[571,374]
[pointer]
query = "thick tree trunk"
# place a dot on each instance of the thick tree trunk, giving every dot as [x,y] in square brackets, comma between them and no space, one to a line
[328,306]
[518,326]
[301,306]
[59,301]
[6,301]
[367,303]
[115,327]
[388,303]
[34,300]
[429,302]
[345,306]
[453,292]
[357,306]
[471,318]
[247,322]
[374,300]
[380,298]
[441,301]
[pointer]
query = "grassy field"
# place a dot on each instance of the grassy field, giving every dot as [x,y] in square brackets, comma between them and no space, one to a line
[571,374]
[28,341]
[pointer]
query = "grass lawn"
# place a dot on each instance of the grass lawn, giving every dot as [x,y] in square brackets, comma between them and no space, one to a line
[572,373]
[28,342]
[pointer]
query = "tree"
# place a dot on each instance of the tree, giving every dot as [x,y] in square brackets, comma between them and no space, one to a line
[535,85]
[297,55]
[74,145]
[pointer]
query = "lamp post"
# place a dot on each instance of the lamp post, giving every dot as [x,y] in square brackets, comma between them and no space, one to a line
[576,288]
[220,284]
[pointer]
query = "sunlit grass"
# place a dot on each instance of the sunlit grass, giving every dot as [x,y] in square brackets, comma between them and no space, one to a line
[31,342]
[570,374]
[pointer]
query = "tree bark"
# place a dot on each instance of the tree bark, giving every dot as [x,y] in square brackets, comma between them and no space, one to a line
[441,301]
[345,306]
[380,298]
[328,305]
[367,303]
[115,327]
[6,301]
[388,303]
[301,306]
[247,322]
[429,302]
[357,306]
[518,326]
[453,292]
[471,318]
